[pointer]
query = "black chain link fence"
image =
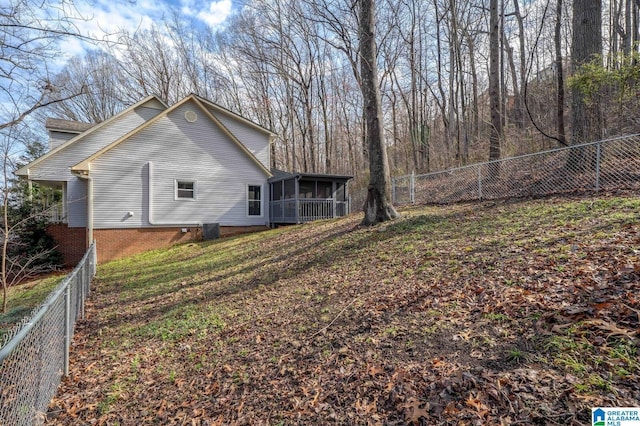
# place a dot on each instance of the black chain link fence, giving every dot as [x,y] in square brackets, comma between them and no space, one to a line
[35,353]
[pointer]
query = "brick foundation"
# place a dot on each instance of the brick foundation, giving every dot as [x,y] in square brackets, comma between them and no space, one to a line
[112,244]
[72,242]
[227,231]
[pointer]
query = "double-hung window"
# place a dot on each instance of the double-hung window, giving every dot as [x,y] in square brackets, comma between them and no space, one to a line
[254,200]
[185,189]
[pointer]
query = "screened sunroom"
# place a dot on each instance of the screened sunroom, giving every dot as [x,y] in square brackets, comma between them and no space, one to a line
[303,197]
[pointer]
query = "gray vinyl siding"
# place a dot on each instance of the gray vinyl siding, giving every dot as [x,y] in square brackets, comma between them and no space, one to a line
[256,140]
[176,149]
[56,167]
[76,202]
[58,138]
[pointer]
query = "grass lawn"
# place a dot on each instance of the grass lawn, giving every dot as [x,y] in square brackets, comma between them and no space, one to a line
[24,298]
[485,313]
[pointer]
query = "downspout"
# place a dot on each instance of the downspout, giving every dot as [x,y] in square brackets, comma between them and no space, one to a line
[89,180]
[150,202]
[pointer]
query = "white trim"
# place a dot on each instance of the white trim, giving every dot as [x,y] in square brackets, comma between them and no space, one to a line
[261,186]
[195,189]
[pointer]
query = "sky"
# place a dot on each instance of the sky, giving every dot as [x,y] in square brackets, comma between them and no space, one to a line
[97,18]
[110,16]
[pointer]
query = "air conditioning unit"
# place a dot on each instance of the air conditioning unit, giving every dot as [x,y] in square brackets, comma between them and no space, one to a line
[210,231]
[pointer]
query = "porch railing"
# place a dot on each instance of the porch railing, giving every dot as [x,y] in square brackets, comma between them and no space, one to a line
[52,214]
[308,209]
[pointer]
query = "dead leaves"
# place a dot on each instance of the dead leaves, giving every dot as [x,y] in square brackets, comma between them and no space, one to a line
[416,410]
[421,324]
[613,330]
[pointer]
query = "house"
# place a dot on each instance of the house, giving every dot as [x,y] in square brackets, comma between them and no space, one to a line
[155,175]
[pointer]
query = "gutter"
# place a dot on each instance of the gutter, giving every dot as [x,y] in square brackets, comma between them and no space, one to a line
[152,221]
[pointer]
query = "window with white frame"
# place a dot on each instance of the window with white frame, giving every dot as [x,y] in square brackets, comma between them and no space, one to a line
[185,189]
[254,200]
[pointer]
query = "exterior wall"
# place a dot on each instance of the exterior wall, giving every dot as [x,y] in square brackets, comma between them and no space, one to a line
[256,140]
[134,183]
[72,242]
[113,244]
[76,208]
[228,231]
[57,166]
[58,138]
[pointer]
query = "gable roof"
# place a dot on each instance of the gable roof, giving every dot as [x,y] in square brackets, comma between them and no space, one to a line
[85,165]
[24,170]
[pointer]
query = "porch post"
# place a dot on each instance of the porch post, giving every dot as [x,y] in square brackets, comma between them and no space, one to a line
[297,194]
[333,198]
[347,198]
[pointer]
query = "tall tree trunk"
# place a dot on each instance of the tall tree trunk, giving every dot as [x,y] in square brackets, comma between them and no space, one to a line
[586,46]
[440,72]
[636,30]
[378,207]
[494,82]
[514,82]
[520,108]
[628,30]
[475,111]
[560,81]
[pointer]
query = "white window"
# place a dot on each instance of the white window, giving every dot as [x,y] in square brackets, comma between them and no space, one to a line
[254,200]
[185,189]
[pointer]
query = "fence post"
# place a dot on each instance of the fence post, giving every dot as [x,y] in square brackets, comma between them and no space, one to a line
[67,327]
[412,187]
[598,153]
[82,295]
[479,182]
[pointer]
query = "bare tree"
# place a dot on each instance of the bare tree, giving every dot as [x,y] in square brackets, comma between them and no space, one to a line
[557,37]
[378,206]
[494,81]
[30,38]
[97,76]
[17,260]
[151,67]
[586,47]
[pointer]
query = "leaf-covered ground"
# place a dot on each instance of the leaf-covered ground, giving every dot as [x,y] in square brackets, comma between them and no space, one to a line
[484,313]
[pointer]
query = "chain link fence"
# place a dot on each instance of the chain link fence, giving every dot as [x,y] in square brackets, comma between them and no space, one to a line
[610,164]
[35,353]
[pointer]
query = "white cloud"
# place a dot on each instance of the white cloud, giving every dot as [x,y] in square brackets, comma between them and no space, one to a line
[111,16]
[216,13]
[104,19]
